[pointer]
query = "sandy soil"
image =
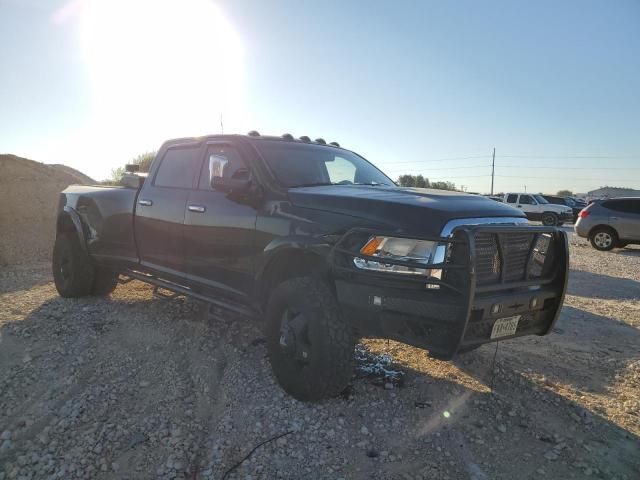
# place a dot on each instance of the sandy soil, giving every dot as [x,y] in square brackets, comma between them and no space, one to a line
[29,193]
[137,387]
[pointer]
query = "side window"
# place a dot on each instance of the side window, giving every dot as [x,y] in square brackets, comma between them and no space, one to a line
[234,165]
[512,198]
[617,205]
[526,200]
[341,170]
[178,167]
[635,206]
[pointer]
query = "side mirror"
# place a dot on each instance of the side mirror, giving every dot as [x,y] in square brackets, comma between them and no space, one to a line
[230,184]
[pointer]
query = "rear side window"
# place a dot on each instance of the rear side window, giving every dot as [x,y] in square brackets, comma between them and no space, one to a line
[615,205]
[512,198]
[526,199]
[178,167]
[625,206]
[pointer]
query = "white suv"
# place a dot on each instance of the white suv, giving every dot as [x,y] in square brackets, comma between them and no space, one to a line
[536,207]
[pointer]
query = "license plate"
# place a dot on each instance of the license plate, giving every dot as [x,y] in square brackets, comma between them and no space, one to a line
[505,327]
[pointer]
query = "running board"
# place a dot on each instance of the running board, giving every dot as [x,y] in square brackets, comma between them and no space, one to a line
[181,290]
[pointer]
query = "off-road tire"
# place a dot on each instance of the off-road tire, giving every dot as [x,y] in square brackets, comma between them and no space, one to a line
[73,273]
[604,231]
[550,219]
[105,282]
[331,354]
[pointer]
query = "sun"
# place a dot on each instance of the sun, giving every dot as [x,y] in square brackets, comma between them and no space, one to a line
[161,68]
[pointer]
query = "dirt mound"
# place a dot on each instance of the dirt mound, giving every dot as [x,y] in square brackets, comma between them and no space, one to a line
[28,201]
[78,175]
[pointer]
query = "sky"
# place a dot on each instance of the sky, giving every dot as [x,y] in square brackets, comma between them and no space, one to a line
[419,87]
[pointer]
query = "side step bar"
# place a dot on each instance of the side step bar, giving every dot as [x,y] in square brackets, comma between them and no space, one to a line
[181,290]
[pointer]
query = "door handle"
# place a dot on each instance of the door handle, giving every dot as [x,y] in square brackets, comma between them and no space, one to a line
[196,208]
[614,218]
[146,203]
[519,206]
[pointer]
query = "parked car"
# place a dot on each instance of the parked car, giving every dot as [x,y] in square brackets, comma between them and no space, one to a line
[322,245]
[536,207]
[579,201]
[610,223]
[568,201]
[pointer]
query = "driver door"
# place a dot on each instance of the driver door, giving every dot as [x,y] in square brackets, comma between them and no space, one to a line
[219,226]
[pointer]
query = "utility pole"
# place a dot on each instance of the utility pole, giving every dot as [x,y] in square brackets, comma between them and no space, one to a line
[493,168]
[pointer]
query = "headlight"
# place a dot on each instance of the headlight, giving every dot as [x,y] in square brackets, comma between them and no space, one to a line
[422,252]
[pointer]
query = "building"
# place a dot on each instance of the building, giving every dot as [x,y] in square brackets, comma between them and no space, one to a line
[611,192]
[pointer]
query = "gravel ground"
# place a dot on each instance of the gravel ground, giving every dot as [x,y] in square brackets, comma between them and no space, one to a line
[137,387]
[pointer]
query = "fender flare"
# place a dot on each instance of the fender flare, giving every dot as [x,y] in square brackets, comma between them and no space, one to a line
[77,224]
[274,252]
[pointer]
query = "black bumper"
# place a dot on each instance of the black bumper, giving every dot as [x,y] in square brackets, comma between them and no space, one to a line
[453,314]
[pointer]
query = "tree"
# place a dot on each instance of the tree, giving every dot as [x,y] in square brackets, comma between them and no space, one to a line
[422,182]
[565,193]
[144,160]
[443,185]
[407,181]
[413,181]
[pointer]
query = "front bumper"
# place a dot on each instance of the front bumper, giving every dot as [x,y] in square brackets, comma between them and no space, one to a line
[452,314]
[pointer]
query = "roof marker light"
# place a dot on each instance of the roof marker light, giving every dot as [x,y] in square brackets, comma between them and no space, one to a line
[321,141]
[287,136]
[335,144]
[253,133]
[304,138]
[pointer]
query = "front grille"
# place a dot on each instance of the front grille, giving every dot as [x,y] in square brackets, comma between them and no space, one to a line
[511,256]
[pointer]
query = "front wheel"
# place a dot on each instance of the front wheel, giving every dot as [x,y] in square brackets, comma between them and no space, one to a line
[310,344]
[105,281]
[603,239]
[550,219]
[72,269]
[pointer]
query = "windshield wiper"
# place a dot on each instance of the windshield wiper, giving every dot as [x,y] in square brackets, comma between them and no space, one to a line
[314,184]
[372,184]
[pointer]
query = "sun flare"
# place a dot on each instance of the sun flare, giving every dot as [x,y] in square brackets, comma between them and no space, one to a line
[161,68]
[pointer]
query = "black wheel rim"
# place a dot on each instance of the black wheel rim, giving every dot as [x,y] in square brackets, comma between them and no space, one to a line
[65,268]
[294,341]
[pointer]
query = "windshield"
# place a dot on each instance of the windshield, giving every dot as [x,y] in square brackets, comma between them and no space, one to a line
[540,199]
[300,165]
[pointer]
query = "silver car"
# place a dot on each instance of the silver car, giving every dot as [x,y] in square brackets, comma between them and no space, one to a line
[610,223]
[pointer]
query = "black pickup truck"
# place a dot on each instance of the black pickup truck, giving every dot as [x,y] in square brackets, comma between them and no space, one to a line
[322,245]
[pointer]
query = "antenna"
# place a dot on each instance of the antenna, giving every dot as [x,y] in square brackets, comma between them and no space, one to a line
[221,124]
[493,168]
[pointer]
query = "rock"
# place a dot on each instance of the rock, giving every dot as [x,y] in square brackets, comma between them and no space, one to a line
[364,430]
[6,435]
[551,455]
[388,386]
[502,428]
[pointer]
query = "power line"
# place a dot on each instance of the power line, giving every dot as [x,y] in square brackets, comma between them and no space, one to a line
[572,179]
[569,168]
[595,156]
[435,160]
[437,168]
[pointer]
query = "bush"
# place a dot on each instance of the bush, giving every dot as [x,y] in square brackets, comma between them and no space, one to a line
[144,160]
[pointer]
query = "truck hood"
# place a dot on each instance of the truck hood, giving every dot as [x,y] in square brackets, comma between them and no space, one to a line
[411,210]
